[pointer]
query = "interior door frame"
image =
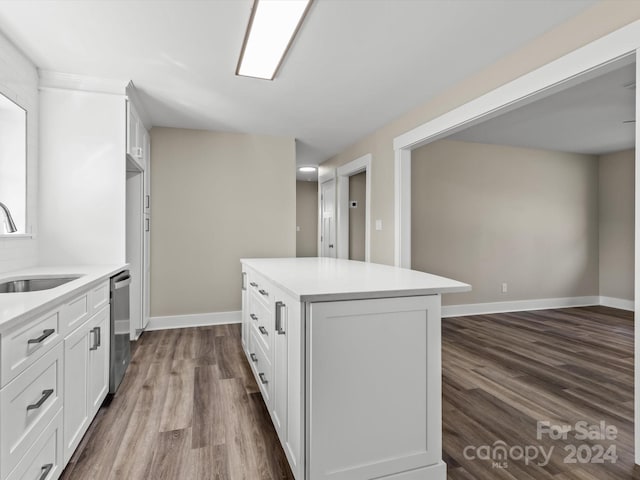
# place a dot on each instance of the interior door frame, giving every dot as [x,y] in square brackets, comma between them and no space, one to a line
[553,77]
[326,177]
[359,165]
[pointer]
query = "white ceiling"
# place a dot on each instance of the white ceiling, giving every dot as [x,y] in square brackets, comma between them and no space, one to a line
[355,66]
[587,118]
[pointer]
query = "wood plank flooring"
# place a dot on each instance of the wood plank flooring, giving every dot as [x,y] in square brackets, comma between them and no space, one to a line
[189,407]
[502,373]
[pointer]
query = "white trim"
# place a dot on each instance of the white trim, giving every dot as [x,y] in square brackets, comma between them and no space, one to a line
[359,165]
[70,81]
[193,320]
[537,304]
[637,278]
[619,303]
[402,204]
[555,76]
[518,306]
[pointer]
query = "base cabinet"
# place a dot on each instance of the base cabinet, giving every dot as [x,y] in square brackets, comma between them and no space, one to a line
[56,377]
[354,386]
[86,374]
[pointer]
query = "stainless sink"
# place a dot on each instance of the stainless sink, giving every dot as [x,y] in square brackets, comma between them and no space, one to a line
[35,284]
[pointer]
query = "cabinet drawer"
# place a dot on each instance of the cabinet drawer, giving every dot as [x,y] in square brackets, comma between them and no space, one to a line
[29,403]
[25,344]
[45,456]
[262,369]
[74,313]
[260,288]
[263,324]
[99,297]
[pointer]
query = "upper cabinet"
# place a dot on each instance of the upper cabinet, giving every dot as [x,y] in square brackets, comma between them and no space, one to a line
[136,136]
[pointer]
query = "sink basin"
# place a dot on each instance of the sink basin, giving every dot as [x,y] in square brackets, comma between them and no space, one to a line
[35,284]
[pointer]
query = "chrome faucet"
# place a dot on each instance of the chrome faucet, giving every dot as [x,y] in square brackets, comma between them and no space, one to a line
[10,224]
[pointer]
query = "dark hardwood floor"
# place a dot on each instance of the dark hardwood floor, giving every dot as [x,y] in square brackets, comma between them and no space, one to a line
[189,407]
[503,373]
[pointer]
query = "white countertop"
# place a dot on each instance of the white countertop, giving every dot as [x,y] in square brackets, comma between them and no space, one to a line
[328,279]
[16,307]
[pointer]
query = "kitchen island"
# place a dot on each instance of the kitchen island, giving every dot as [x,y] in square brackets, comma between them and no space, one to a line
[347,356]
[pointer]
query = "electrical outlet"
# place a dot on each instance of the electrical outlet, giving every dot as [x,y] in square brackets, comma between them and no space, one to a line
[378,224]
[504,287]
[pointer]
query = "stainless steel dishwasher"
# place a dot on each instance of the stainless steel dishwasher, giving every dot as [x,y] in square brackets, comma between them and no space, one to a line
[120,354]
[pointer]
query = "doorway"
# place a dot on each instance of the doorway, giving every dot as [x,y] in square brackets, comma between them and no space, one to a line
[354,219]
[328,218]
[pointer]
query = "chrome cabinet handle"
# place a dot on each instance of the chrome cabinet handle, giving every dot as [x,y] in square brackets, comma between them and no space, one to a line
[253,284]
[263,379]
[45,394]
[264,293]
[45,471]
[263,330]
[99,335]
[45,333]
[244,280]
[253,317]
[279,328]
[94,331]
[254,358]
[147,224]
[147,201]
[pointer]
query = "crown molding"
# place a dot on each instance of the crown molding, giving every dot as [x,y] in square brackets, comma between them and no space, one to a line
[70,81]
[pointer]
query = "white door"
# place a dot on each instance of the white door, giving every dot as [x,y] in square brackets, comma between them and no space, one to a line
[328,232]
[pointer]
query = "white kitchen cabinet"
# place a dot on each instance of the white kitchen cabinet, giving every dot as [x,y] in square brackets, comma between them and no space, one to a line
[287,377]
[98,385]
[55,376]
[86,376]
[136,136]
[351,355]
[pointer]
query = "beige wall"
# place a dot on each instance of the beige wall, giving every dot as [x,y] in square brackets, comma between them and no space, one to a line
[307,219]
[357,217]
[216,197]
[616,212]
[487,214]
[602,18]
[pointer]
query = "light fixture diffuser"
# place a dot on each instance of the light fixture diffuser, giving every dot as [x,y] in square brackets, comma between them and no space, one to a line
[307,169]
[272,28]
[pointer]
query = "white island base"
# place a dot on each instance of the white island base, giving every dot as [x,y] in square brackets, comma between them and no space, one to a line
[348,359]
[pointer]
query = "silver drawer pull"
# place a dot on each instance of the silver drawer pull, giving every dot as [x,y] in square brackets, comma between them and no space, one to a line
[263,379]
[45,471]
[254,358]
[279,327]
[263,330]
[96,338]
[264,293]
[45,333]
[254,317]
[253,284]
[45,394]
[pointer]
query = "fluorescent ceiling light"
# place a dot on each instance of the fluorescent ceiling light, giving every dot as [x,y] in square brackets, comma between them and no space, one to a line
[272,27]
[307,169]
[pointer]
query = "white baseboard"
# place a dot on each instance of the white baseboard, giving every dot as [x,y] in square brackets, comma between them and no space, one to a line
[620,303]
[517,306]
[194,320]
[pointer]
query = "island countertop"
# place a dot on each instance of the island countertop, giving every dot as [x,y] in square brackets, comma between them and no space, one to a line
[322,279]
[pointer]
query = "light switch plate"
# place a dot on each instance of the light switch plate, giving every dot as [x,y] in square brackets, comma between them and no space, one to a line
[378,224]
[297,228]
